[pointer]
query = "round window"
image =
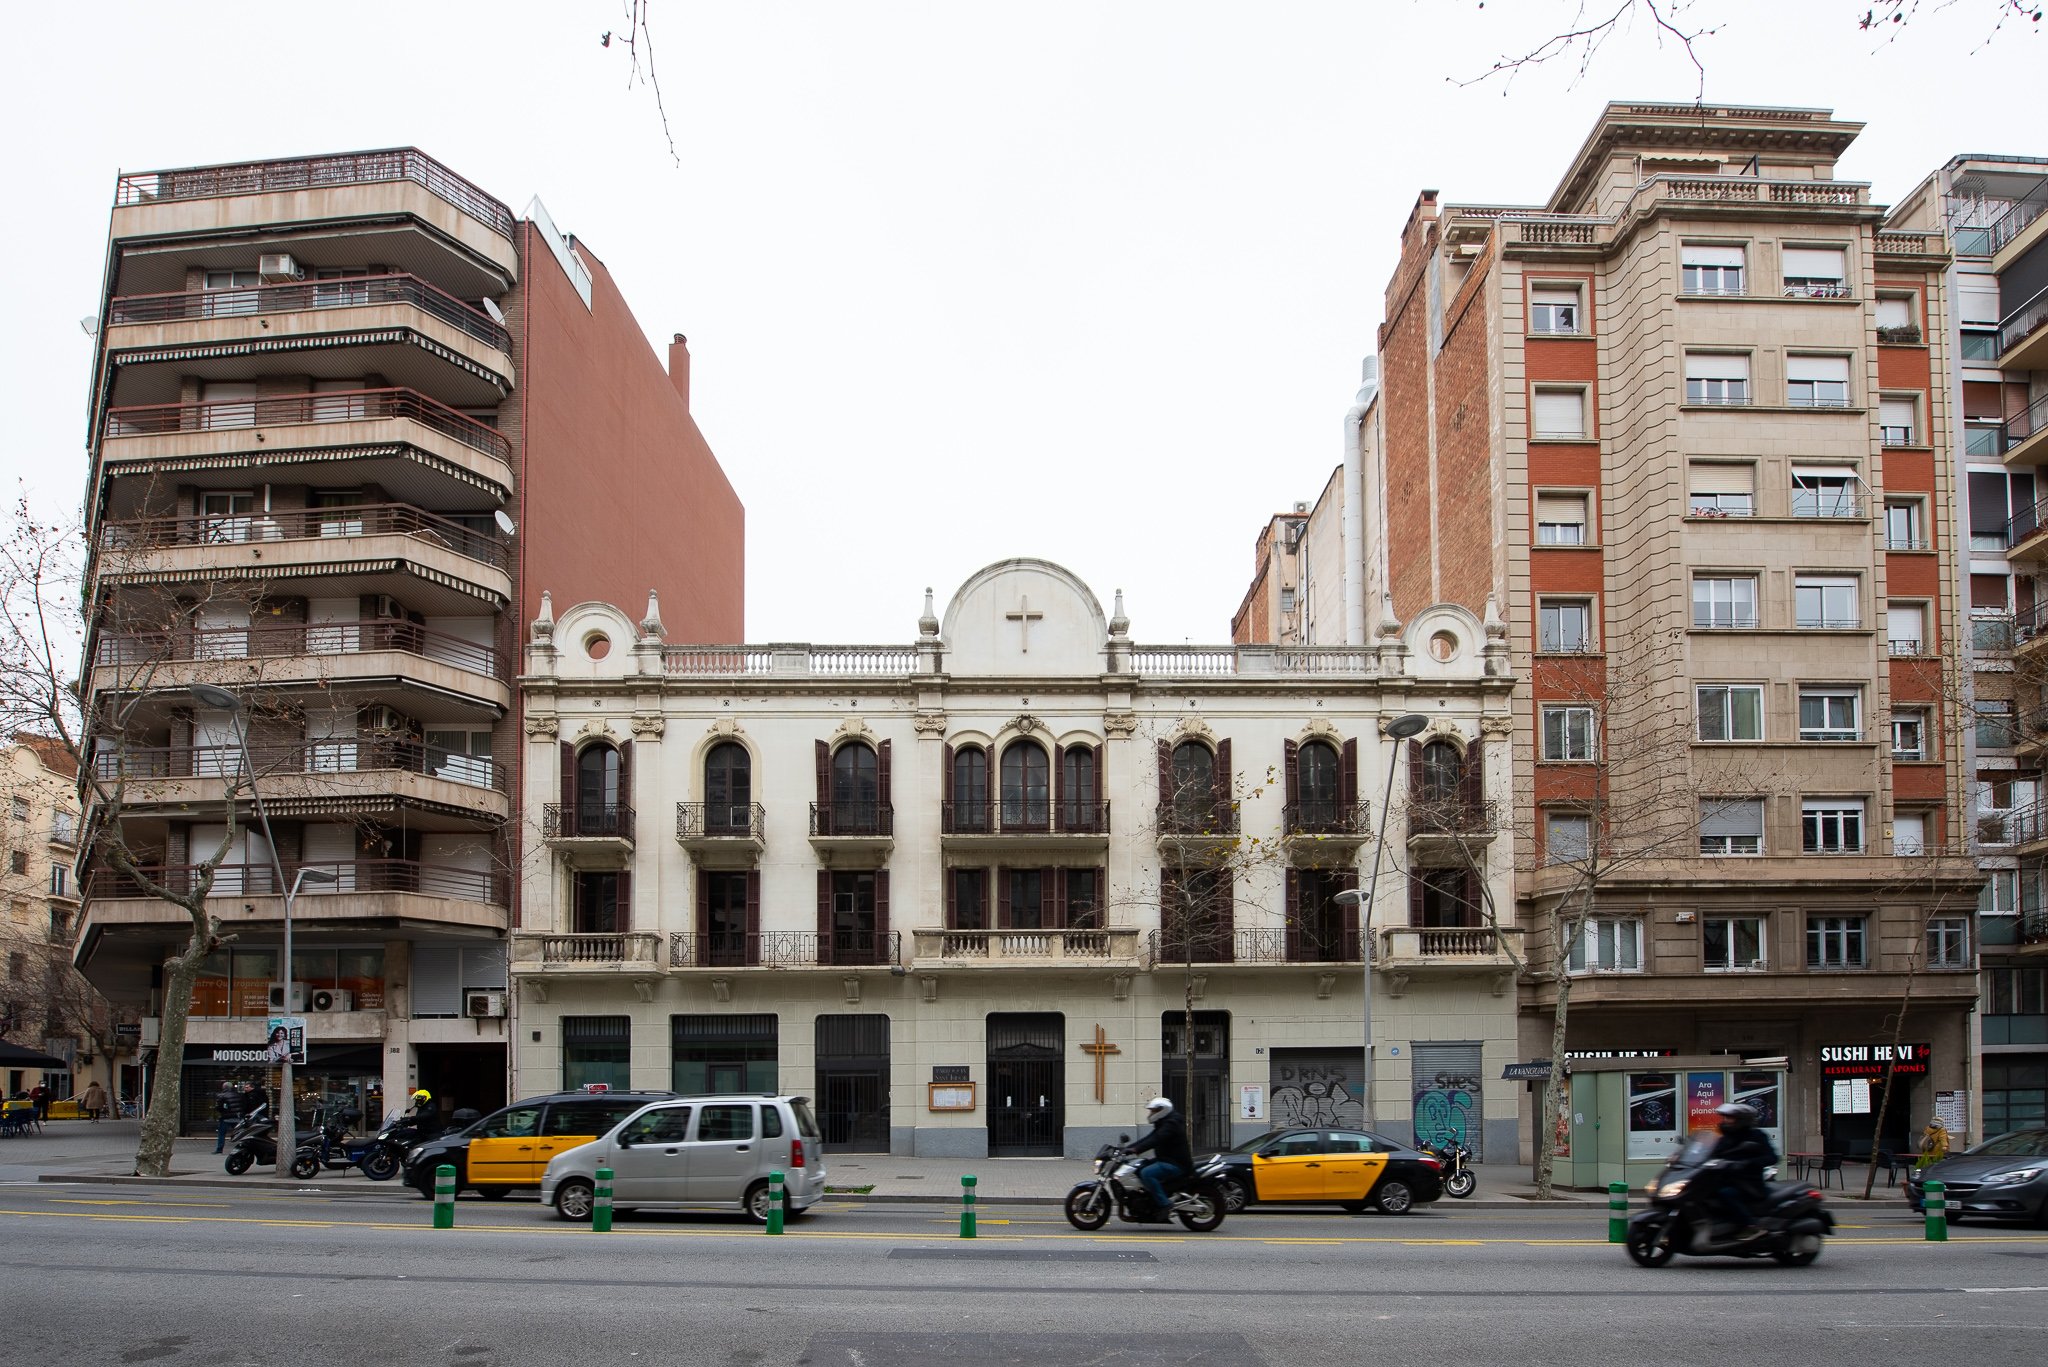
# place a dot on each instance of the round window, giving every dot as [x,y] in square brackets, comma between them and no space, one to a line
[597,645]
[1443,647]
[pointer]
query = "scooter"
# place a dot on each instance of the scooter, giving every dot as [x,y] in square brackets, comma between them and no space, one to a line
[329,1147]
[252,1141]
[1198,1201]
[1685,1216]
[1456,1160]
[386,1152]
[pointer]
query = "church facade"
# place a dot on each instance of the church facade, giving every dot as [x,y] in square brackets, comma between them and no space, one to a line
[986,893]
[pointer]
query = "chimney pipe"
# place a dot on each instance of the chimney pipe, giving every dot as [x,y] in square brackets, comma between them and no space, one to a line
[679,367]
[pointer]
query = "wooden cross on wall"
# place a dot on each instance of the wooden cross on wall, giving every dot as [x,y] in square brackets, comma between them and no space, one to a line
[1101,1050]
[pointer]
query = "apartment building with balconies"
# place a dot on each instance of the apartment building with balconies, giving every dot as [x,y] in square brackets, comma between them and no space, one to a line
[1686,424]
[344,410]
[966,890]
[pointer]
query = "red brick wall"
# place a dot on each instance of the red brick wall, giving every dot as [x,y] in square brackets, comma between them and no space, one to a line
[1464,446]
[620,493]
[1404,406]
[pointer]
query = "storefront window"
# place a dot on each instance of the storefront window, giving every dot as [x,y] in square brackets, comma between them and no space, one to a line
[236,984]
[210,992]
[360,973]
[596,1049]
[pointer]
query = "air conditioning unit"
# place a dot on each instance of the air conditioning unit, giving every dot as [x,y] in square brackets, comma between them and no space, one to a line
[387,606]
[329,999]
[483,1005]
[278,1002]
[278,268]
[380,721]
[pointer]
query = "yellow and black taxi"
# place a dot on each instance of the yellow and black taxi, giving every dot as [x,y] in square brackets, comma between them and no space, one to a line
[1349,1168]
[510,1148]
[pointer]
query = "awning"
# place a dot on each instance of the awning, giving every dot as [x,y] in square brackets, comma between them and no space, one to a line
[14,1056]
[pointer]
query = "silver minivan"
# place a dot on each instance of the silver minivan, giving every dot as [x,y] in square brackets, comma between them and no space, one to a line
[703,1151]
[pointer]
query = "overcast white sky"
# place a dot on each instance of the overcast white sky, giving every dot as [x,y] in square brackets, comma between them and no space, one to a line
[963,281]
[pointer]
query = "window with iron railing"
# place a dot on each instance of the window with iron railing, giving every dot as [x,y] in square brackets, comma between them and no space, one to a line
[1832,714]
[1827,603]
[1826,493]
[1728,603]
[1831,826]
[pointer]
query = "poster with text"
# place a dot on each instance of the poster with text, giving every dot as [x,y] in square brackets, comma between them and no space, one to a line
[1703,1093]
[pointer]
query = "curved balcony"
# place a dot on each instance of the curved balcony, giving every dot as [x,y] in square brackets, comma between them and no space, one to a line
[1448,831]
[722,835]
[1404,951]
[1114,947]
[397,182]
[395,325]
[433,562]
[313,778]
[398,439]
[866,830]
[385,892]
[306,655]
[589,835]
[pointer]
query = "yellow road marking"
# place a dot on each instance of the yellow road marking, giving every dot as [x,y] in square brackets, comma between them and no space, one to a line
[189,1205]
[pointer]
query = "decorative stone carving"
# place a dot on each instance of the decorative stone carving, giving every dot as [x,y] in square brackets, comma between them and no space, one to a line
[1501,983]
[851,983]
[728,727]
[1119,725]
[1496,727]
[542,630]
[651,628]
[597,728]
[1326,983]
[649,724]
[721,989]
[853,728]
[1439,728]
[541,726]
[1192,728]
[1025,723]
[1397,984]
[930,985]
[929,723]
[538,989]
[1120,987]
[928,624]
[1318,728]
[1198,986]
[643,988]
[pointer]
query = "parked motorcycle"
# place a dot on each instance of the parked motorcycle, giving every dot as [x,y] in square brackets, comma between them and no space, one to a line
[1686,1216]
[252,1141]
[329,1146]
[1456,1160]
[1198,1201]
[386,1152]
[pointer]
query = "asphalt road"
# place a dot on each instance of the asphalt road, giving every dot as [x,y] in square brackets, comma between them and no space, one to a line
[127,1274]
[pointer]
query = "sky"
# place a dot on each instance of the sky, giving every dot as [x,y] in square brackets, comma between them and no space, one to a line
[962,281]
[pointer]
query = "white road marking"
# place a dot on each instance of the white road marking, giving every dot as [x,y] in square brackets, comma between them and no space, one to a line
[1995,1290]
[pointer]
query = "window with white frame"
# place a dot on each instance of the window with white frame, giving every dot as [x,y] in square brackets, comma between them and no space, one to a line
[1897,320]
[1710,269]
[1567,836]
[1831,825]
[1568,733]
[1909,833]
[1948,942]
[1902,525]
[1905,628]
[1719,489]
[1826,491]
[2001,893]
[1734,944]
[1997,800]
[1287,598]
[1817,381]
[1565,626]
[1716,377]
[21,809]
[1830,714]
[1835,942]
[1826,602]
[1608,944]
[1730,711]
[1909,733]
[1815,272]
[1558,414]
[1896,421]
[60,881]
[1727,601]
[1731,826]
[1560,519]
[1554,309]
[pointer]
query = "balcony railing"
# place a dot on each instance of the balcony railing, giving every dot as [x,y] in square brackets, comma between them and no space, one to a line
[721,820]
[1012,816]
[349,875]
[2020,325]
[1319,817]
[1900,647]
[1452,818]
[2026,523]
[1109,944]
[2027,825]
[315,758]
[598,949]
[2029,422]
[1198,817]
[1994,632]
[1815,287]
[138,648]
[784,949]
[587,821]
[1306,945]
[1829,503]
[1200,945]
[1902,334]
[312,524]
[354,405]
[316,173]
[354,291]
[1449,946]
[853,819]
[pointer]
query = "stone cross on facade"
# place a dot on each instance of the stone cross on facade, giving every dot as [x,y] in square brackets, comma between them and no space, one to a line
[1101,1050]
[1024,617]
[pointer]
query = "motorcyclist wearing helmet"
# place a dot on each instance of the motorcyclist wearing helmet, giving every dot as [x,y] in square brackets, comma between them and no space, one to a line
[1167,1141]
[1747,1151]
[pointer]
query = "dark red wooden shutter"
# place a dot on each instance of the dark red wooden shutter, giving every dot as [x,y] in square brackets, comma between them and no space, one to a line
[1290,757]
[1223,926]
[882,781]
[1059,785]
[1415,886]
[952,895]
[822,823]
[625,773]
[1098,814]
[1225,778]
[1002,898]
[703,902]
[948,820]
[568,785]
[1058,919]
[882,954]
[1348,882]
[1472,778]
[624,920]
[1294,907]
[824,915]
[1347,776]
[1416,788]
[1472,916]
[753,916]
[1166,793]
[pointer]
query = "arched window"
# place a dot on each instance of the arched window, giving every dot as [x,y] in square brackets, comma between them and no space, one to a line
[597,790]
[1442,773]
[856,789]
[970,789]
[1319,784]
[728,789]
[1027,786]
[1193,776]
[1079,809]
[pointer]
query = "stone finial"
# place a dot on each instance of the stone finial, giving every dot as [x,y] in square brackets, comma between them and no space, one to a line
[1390,625]
[1496,625]
[928,624]
[650,625]
[1119,625]
[543,628]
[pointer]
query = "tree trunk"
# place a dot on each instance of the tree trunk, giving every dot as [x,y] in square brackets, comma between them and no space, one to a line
[160,1119]
[1187,1029]
[1563,929]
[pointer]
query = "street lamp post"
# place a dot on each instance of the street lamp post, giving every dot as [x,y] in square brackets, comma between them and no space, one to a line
[1399,729]
[287,1109]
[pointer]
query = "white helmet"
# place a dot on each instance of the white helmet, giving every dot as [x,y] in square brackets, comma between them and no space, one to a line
[1157,1107]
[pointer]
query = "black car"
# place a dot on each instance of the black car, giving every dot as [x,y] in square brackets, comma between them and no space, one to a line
[1349,1168]
[510,1148]
[2001,1179]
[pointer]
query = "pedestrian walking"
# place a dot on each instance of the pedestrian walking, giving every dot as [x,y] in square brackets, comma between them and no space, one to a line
[1933,1144]
[227,1106]
[40,1095]
[95,1100]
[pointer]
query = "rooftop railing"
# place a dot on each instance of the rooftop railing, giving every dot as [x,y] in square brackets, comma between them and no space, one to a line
[315,173]
[355,405]
[357,291]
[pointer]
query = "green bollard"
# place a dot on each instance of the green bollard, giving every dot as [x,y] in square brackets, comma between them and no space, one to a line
[1617,1212]
[1935,1202]
[601,1202]
[775,1201]
[967,1206]
[444,1197]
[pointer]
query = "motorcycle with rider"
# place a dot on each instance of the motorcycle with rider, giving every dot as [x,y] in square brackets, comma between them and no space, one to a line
[1156,1191]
